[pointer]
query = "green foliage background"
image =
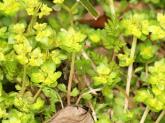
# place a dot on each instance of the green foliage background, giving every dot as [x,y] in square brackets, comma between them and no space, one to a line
[38,42]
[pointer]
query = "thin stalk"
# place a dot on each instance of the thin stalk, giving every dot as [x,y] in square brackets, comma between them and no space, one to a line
[37,94]
[69,10]
[66,8]
[160,117]
[23,80]
[113,13]
[147,108]
[47,54]
[113,55]
[33,20]
[130,70]
[88,92]
[74,5]
[70,79]
[111,2]
[73,56]
[59,97]
[93,111]
[146,67]
[145,114]
[85,55]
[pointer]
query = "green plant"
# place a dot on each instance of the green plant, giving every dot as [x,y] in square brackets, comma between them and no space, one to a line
[50,58]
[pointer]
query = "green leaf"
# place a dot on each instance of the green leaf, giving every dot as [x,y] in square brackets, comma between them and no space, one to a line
[53,99]
[52,79]
[39,104]
[57,56]
[87,96]
[62,87]
[107,92]
[83,66]
[16,116]
[104,119]
[103,69]
[90,8]
[146,52]
[142,95]
[138,69]
[70,40]
[37,76]
[75,92]
[48,67]
[95,36]
[125,60]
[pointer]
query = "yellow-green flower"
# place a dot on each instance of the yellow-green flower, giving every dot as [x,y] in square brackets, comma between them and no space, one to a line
[40,26]
[31,6]
[10,7]
[45,10]
[36,57]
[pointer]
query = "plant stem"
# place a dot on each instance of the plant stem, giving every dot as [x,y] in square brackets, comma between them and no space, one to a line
[147,108]
[145,114]
[112,7]
[33,19]
[23,80]
[130,69]
[90,91]
[37,94]
[59,97]
[85,55]
[69,10]
[111,2]
[70,79]
[66,8]
[160,117]
[93,111]
[113,55]
[74,5]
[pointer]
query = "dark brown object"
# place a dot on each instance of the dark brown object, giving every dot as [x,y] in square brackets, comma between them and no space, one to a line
[72,114]
[102,19]
[99,22]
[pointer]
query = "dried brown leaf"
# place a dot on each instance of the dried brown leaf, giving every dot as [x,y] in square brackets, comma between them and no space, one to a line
[72,114]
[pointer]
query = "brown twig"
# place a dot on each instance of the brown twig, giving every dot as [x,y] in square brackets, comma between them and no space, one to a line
[70,79]
[37,94]
[130,71]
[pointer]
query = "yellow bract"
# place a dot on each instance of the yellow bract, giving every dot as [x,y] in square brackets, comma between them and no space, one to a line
[45,10]
[10,7]
[40,26]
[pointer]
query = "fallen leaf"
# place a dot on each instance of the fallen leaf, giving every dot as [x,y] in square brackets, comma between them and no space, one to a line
[72,114]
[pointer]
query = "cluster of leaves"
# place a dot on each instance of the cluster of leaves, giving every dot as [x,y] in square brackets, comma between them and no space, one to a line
[29,57]
[154,96]
[140,26]
[156,3]
[38,39]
